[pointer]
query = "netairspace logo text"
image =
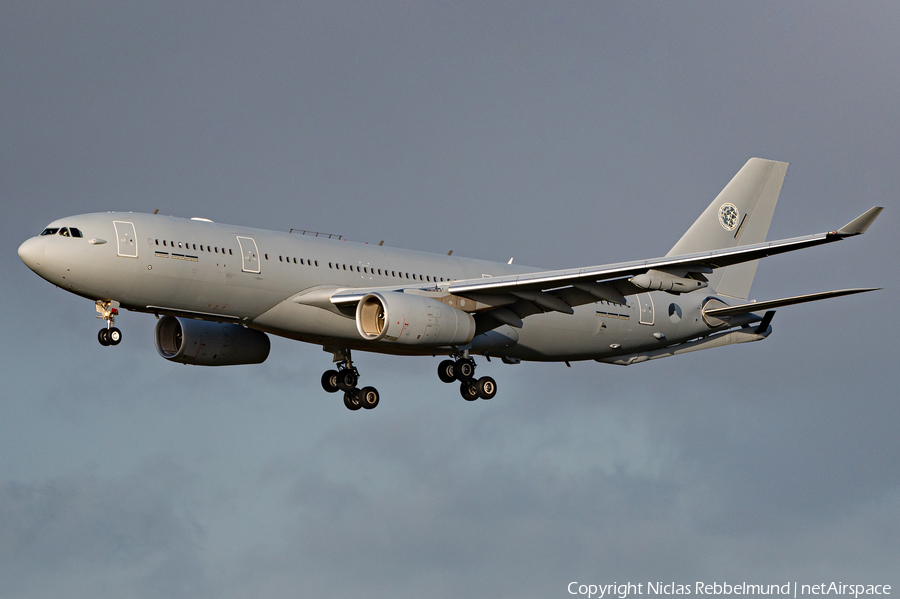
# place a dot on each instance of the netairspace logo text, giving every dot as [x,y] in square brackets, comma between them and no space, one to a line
[791,589]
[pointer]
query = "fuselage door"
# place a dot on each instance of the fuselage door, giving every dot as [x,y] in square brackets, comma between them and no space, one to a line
[645,302]
[249,254]
[126,240]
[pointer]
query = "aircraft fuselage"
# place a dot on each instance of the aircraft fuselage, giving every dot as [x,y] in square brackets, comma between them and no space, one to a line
[213,271]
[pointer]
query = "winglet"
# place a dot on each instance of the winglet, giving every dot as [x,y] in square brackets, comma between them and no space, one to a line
[861,223]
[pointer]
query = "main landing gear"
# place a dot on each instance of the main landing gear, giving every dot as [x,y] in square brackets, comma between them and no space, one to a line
[108,311]
[463,370]
[345,379]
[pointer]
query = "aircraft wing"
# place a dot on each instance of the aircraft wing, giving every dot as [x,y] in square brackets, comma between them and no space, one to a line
[559,290]
[785,301]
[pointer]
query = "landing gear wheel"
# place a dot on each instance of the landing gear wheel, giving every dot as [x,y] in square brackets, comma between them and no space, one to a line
[487,387]
[447,371]
[329,381]
[114,335]
[351,400]
[368,397]
[103,337]
[465,369]
[346,380]
[468,390]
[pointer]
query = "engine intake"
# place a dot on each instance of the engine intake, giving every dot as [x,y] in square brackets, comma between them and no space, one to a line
[204,343]
[410,319]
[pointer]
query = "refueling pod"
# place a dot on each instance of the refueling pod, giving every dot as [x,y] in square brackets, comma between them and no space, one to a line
[204,343]
[661,281]
[410,319]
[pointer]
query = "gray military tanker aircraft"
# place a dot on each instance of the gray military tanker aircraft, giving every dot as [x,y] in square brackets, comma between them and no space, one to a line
[218,289]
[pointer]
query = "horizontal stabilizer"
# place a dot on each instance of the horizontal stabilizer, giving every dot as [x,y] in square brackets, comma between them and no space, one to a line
[785,301]
[858,225]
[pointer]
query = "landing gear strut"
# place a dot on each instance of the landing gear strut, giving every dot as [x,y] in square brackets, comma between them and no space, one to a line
[108,310]
[345,379]
[462,369]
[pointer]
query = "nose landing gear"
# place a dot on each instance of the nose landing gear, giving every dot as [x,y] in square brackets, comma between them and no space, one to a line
[345,379]
[108,310]
[463,370]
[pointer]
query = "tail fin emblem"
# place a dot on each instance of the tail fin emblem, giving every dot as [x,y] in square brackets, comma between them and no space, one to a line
[728,216]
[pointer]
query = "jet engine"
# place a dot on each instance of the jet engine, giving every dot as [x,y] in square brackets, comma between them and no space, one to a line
[205,343]
[410,319]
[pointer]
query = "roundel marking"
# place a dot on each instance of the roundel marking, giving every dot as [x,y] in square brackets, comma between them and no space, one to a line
[728,216]
[674,312]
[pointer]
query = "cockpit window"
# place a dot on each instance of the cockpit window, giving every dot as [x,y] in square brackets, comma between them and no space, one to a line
[64,232]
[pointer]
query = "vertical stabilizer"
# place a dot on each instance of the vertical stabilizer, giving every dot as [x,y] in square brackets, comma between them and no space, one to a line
[740,215]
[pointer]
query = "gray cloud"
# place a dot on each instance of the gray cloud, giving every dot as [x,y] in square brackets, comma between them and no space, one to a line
[59,529]
[561,135]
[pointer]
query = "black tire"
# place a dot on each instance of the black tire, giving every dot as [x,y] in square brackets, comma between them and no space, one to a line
[351,400]
[329,381]
[447,371]
[346,380]
[368,397]
[487,387]
[103,337]
[115,336]
[468,390]
[465,369]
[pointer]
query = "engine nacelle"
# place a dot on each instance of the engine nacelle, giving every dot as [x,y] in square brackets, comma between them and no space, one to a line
[205,343]
[409,319]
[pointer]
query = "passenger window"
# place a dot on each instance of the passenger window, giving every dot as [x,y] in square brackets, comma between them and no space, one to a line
[281,258]
[295,261]
[157,242]
[301,261]
[195,246]
[230,253]
[179,245]
[267,256]
[345,266]
[317,262]
[164,242]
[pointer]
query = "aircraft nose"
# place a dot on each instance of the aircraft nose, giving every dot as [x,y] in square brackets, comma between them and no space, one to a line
[32,252]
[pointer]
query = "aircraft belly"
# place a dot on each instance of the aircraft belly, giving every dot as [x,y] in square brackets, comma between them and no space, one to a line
[556,336]
[290,319]
[603,329]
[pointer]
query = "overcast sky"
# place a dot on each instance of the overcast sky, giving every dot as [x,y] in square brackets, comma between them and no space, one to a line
[560,134]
